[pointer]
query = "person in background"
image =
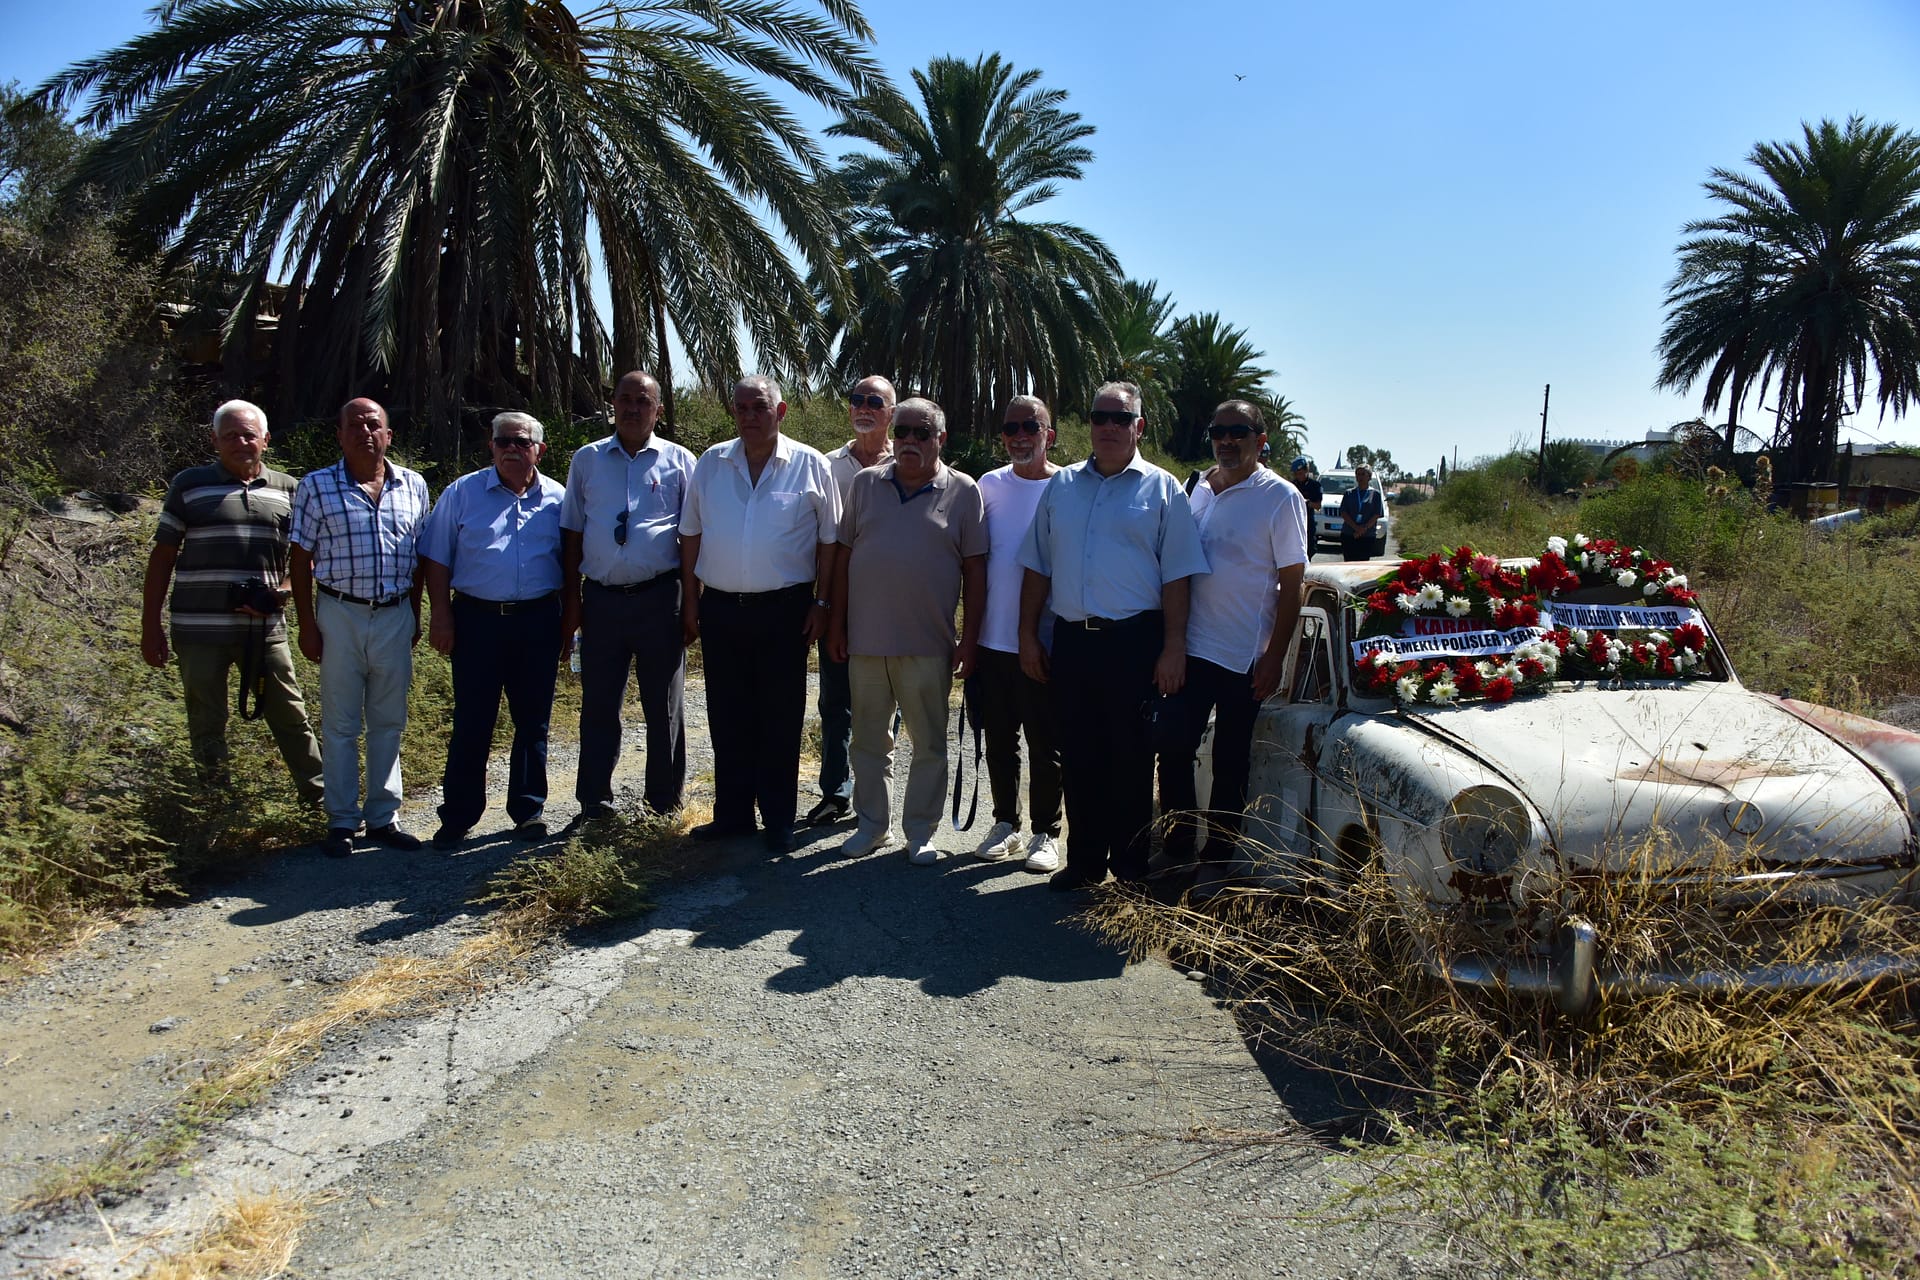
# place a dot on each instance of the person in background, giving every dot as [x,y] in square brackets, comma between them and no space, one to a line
[1361,510]
[1310,494]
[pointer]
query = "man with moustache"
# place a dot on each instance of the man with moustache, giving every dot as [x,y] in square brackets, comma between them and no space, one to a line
[913,544]
[1239,624]
[870,410]
[620,584]
[757,557]
[1361,510]
[355,534]
[1113,541]
[222,526]
[491,551]
[1004,699]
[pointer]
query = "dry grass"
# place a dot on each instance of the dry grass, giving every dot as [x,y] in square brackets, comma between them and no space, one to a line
[253,1239]
[1671,1133]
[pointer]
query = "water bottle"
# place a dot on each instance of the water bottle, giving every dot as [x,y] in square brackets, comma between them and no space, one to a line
[573,661]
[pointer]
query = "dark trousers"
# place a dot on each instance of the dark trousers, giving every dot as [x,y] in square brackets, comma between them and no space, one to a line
[1228,696]
[1362,548]
[635,631]
[836,729]
[1102,681]
[756,675]
[1005,703]
[517,654]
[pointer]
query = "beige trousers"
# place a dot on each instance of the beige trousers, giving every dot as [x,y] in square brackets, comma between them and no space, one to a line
[918,687]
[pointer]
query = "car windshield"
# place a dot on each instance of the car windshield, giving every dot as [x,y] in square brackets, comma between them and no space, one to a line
[1336,484]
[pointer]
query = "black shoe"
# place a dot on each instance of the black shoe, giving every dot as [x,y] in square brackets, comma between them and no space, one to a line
[586,818]
[1071,879]
[449,837]
[339,842]
[829,811]
[718,830]
[393,837]
[531,829]
[780,841]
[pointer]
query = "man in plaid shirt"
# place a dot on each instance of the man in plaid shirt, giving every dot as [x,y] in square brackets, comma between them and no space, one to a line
[355,525]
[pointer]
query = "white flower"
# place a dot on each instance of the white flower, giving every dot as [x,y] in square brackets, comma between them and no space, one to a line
[1431,595]
[1407,603]
[1550,662]
[1381,658]
[1459,606]
[1486,669]
[1557,545]
[1442,692]
[1408,687]
[1580,539]
[1580,637]
[1651,588]
[1624,577]
[1657,638]
[1678,580]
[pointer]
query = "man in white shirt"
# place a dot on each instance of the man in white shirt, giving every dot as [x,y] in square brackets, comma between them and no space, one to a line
[1114,544]
[1239,623]
[870,412]
[757,538]
[1003,699]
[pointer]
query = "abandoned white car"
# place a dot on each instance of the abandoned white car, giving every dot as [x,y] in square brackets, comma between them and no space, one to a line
[1495,734]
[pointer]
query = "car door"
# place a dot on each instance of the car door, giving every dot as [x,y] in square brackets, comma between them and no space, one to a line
[1287,739]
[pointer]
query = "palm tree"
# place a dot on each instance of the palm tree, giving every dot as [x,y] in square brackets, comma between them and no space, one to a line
[1286,426]
[963,298]
[1213,362]
[430,179]
[1812,275]
[1137,316]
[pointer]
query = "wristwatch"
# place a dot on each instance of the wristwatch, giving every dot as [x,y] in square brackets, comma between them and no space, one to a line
[818,603]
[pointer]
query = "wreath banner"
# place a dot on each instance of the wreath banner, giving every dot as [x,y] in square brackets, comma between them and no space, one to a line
[1617,617]
[1462,644]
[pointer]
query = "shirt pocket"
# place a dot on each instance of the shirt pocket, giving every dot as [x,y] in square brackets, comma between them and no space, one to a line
[660,496]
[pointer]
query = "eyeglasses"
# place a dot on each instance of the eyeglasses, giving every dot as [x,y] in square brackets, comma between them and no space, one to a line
[514,442]
[620,528]
[858,401]
[901,430]
[1031,427]
[1115,417]
[1221,430]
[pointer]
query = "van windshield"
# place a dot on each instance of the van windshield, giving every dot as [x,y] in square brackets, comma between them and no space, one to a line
[1336,484]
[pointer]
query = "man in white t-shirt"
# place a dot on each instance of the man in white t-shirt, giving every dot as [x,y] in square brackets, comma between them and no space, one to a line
[1238,626]
[1003,699]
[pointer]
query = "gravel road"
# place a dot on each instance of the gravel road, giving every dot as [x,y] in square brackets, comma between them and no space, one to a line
[795,1066]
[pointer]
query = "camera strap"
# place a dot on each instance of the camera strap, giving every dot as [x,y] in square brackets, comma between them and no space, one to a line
[960,758]
[253,668]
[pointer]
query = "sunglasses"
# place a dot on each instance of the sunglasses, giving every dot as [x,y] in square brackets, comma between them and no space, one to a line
[1221,430]
[902,430]
[1030,427]
[1113,417]
[859,401]
[620,528]
[513,442]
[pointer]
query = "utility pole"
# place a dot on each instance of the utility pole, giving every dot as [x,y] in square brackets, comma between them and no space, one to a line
[1541,482]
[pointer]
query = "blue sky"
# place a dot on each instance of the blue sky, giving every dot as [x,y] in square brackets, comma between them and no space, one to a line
[1422,213]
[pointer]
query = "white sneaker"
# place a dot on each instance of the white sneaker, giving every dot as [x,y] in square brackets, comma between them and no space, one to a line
[1001,842]
[1043,854]
[862,843]
[923,854]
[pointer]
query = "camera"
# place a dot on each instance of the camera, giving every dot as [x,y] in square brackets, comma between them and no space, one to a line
[256,595]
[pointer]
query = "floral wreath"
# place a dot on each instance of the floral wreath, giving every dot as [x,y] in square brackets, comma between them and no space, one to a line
[1464,584]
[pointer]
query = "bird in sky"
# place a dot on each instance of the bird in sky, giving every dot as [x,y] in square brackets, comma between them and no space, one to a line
[1238,76]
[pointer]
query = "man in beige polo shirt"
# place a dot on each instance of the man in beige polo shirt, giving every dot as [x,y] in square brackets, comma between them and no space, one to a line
[913,544]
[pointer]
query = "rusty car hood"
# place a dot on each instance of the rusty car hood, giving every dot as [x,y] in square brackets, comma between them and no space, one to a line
[1716,765]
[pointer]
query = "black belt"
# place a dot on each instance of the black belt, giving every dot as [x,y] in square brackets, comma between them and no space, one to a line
[350,599]
[505,606]
[749,599]
[1152,616]
[634,588]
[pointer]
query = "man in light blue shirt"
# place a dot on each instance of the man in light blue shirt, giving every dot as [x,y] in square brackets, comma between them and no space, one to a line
[1113,543]
[491,556]
[620,562]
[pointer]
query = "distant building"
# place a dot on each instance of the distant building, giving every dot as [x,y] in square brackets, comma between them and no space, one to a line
[1639,450]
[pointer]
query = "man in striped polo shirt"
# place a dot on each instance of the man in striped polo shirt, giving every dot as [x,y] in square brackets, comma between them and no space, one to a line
[225,524]
[355,536]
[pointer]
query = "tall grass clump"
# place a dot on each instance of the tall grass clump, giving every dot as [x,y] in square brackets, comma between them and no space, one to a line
[1668,1133]
[1494,510]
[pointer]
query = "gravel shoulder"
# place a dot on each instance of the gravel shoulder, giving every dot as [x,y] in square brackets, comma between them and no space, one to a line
[804,1065]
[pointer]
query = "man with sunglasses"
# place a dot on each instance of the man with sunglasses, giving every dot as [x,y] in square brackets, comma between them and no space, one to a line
[1238,628]
[870,411]
[1114,545]
[758,532]
[620,583]
[913,545]
[1007,701]
[491,558]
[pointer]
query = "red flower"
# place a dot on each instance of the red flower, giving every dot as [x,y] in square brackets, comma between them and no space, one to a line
[1466,676]
[1406,669]
[1515,613]
[1597,648]
[1641,653]
[1562,638]
[1682,595]
[1409,572]
[1486,566]
[1668,667]
[1499,689]
[1382,602]
[1532,668]
[1690,636]
[1435,670]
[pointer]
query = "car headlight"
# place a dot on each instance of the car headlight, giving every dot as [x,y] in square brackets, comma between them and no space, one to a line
[1486,830]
